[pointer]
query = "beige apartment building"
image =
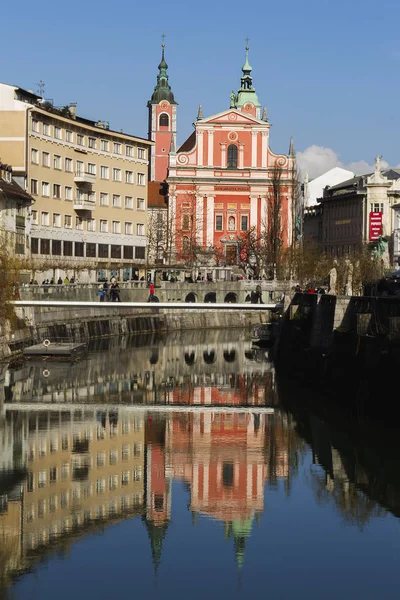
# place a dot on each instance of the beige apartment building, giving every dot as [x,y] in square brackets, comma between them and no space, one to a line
[89,184]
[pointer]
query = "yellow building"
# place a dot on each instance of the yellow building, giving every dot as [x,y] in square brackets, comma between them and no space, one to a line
[89,184]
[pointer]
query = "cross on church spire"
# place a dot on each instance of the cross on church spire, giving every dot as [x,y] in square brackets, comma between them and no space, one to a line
[247,39]
[163,36]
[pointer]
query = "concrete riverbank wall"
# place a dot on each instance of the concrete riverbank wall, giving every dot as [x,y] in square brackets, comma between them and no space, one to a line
[35,324]
[346,346]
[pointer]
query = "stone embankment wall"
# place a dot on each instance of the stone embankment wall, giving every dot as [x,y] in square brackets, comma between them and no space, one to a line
[81,324]
[341,344]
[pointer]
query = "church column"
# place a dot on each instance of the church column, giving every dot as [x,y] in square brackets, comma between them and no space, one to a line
[241,155]
[254,135]
[223,155]
[171,225]
[199,219]
[210,221]
[253,211]
[210,148]
[264,148]
[200,148]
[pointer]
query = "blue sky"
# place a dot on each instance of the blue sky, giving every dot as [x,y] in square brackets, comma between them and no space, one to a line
[327,71]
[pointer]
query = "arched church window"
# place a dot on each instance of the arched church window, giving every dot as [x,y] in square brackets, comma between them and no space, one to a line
[164,120]
[232,156]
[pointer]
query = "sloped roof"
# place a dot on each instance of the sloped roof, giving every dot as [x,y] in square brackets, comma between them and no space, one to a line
[189,144]
[13,191]
[156,197]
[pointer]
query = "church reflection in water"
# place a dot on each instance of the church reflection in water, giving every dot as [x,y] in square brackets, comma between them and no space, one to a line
[71,464]
[88,445]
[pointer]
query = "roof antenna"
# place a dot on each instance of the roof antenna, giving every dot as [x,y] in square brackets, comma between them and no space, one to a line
[40,88]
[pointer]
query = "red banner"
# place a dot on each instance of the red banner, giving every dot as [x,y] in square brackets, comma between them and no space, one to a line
[375,225]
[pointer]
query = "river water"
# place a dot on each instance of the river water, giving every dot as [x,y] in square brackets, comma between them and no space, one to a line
[183,468]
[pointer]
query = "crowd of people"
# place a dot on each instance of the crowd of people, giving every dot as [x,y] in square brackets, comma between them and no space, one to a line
[109,292]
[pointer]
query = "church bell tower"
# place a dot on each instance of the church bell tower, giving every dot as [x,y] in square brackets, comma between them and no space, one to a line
[162,123]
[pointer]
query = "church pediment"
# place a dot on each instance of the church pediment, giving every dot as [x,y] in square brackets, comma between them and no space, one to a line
[232,116]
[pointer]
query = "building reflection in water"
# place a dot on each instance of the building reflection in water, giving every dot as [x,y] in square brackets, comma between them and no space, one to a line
[86,469]
[86,453]
[88,465]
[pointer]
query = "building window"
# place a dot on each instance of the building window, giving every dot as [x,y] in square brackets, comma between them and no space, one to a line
[92,142]
[115,251]
[129,151]
[140,252]
[128,176]
[56,190]
[164,120]
[104,145]
[79,223]
[128,202]
[35,125]
[116,201]
[125,478]
[140,204]
[185,222]
[141,179]
[46,129]
[128,228]
[44,246]
[80,139]
[104,172]
[140,229]
[68,192]
[244,222]
[79,249]
[68,248]
[116,226]
[34,246]
[34,217]
[91,168]
[57,133]
[69,165]
[45,159]
[103,226]
[68,221]
[35,156]
[45,188]
[57,162]
[56,249]
[218,222]
[100,486]
[103,199]
[231,223]
[53,474]
[232,156]
[103,248]
[56,220]
[117,148]
[34,187]
[91,224]
[91,250]
[137,474]
[128,252]
[69,136]
[117,174]
[142,153]
[112,482]
[80,167]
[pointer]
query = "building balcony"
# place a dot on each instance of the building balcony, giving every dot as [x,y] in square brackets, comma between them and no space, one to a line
[84,178]
[84,204]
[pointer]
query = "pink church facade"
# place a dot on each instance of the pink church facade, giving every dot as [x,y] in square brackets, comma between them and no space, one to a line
[220,179]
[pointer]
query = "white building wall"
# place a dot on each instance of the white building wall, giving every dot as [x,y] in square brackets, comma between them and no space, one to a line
[314,189]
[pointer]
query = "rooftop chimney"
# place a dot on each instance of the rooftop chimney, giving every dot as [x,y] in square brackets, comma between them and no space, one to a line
[72,110]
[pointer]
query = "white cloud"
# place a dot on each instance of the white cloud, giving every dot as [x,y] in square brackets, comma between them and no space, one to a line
[316,160]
